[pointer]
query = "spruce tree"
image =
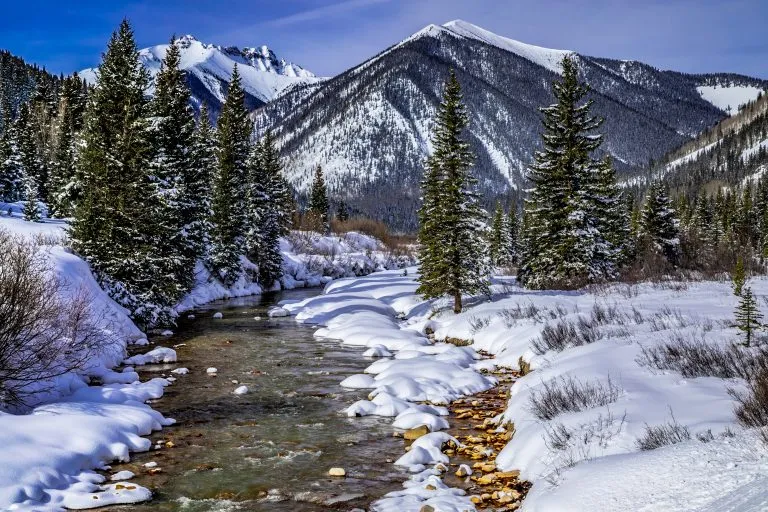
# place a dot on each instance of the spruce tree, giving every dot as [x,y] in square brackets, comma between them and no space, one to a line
[11,167]
[229,208]
[513,235]
[614,247]
[65,186]
[318,200]
[499,243]
[113,228]
[342,212]
[659,224]
[748,316]
[198,187]
[453,255]
[31,206]
[172,132]
[568,212]
[739,276]
[267,211]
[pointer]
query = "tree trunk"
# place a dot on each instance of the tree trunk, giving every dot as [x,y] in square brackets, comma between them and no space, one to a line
[457,302]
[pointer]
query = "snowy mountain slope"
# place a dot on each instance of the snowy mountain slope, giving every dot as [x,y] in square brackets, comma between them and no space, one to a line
[732,152]
[209,71]
[369,127]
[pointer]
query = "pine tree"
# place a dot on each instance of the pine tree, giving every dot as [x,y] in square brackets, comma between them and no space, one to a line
[113,228]
[568,239]
[318,200]
[229,208]
[739,276]
[198,188]
[613,248]
[513,235]
[342,212]
[31,207]
[659,224]
[499,243]
[11,167]
[267,211]
[748,316]
[453,255]
[172,132]
[65,186]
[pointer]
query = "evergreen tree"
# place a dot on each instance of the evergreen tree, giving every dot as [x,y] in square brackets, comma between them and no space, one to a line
[739,276]
[198,188]
[113,228]
[748,316]
[267,214]
[318,200]
[342,213]
[499,242]
[613,248]
[172,132]
[31,209]
[65,186]
[570,212]
[11,167]
[659,224]
[229,208]
[513,235]
[453,260]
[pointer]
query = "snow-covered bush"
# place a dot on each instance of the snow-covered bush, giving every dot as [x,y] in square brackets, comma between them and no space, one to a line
[665,434]
[41,335]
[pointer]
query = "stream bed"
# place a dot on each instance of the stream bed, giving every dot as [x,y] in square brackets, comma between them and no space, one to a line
[270,449]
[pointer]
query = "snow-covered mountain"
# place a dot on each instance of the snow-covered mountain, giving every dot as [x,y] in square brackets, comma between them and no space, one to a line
[370,127]
[209,71]
[733,152]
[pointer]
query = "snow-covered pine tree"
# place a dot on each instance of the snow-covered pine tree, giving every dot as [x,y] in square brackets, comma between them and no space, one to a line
[203,170]
[269,218]
[659,224]
[31,209]
[229,208]
[172,132]
[614,247]
[748,316]
[499,238]
[564,245]
[318,201]
[11,167]
[513,235]
[452,222]
[739,276]
[113,228]
[64,179]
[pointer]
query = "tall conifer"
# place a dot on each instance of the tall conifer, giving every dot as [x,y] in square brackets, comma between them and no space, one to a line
[454,257]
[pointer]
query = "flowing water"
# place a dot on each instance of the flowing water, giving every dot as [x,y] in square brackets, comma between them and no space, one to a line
[271,449]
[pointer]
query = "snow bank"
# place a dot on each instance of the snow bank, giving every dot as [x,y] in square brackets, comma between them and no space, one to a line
[721,467]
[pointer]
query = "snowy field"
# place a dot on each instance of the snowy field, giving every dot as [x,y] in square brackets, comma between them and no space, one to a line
[582,456]
[50,453]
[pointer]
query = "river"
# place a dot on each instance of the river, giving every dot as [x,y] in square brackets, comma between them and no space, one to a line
[270,449]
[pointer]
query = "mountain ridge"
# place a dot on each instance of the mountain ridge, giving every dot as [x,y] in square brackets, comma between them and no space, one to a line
[370,126]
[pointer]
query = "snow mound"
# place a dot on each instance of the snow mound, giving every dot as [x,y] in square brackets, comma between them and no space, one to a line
[154,356]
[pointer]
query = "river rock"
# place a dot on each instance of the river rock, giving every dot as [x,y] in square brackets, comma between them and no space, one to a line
[337,472]
[218,315]
[427,508]
[212,371]
[415,433]
[241,390]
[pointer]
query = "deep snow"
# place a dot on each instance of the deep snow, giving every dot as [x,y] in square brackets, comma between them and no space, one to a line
[601,466]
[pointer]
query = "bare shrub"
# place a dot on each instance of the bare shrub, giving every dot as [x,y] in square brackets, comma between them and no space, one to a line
[565,334]
[693,356]
[752,404]
[571,395]
[667,319]
[583,442]
[478,323]
[662,435]
[513,314]
[42,336]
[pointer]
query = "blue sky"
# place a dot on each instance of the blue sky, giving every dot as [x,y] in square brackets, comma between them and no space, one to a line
[329,36]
